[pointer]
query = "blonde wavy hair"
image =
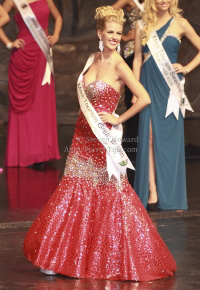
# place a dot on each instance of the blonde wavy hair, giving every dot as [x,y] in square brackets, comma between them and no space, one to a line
[149,16]
[108,13]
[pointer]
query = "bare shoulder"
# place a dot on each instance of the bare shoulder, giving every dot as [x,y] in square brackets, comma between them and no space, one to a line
[122,67]
[97,55]
[119,61]
[182,22]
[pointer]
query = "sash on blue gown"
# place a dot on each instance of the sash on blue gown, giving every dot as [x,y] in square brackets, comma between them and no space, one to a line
[168,135]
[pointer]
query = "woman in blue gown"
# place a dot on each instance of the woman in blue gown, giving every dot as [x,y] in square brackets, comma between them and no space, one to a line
[160,178]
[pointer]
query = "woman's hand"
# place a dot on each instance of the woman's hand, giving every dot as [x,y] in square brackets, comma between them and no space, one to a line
[108,118]
[18,43]
[179,68]
[53,39]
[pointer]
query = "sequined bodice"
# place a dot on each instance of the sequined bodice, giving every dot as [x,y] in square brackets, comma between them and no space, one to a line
[102,96]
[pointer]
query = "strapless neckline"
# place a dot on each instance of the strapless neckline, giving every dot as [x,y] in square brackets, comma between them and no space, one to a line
[34,2]
[30,5]
[96,81]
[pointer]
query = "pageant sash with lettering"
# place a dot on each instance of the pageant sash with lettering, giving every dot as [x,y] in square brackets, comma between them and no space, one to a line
[177,98]
[38,34]
[117,160]
[139,5]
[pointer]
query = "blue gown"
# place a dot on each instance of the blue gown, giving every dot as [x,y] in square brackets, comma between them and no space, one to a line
[168,134]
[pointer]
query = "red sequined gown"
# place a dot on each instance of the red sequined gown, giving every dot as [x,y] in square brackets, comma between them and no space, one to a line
[92,227]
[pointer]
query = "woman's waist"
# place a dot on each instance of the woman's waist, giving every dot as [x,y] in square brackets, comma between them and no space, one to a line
[173,57]
[101,105]
[24,33]
[83,125]
[150,70]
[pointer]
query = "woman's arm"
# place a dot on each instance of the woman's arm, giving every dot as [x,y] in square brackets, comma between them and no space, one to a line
[4,17]
[137,62]
[189,32]
[143,99]
[58,23]
[8,5]
[120,4]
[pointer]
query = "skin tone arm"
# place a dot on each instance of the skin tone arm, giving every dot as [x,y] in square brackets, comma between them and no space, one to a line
[4,17]
[121,4]
[189,32]
[58,23]
[127,76]
[137,62]
[8,5]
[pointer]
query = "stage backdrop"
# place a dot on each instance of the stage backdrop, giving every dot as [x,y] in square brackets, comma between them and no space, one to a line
[78,40]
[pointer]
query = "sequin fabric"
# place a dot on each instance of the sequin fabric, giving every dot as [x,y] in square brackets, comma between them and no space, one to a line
[92,227]
[133,16]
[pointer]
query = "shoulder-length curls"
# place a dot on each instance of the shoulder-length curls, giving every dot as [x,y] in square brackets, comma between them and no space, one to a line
[149,16]
[108,13]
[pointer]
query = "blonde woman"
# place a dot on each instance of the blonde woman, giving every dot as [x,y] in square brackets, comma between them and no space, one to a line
[95,226]
[160,167]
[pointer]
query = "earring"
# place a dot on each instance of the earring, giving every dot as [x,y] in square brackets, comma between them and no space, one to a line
[101,47]
[118,48]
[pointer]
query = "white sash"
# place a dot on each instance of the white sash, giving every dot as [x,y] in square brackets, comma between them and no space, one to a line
[38,34]
[117,160]
[177,98]
[139,5]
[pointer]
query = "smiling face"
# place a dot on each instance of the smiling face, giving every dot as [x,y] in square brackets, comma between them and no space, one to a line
[163,5]
[111,35]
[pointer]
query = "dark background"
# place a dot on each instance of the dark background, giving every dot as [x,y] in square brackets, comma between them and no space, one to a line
[78,40]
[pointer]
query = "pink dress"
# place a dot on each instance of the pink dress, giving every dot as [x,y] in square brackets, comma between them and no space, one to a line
[32,126]
[92,227]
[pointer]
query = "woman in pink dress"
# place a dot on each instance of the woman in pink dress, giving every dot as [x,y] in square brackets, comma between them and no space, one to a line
[32,126]
[94,226]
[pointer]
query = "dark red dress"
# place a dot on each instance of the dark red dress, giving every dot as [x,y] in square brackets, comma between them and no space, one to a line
[93,227]
[32,126]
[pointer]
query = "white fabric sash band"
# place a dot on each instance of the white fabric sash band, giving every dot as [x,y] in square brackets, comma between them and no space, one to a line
[139,5]
[38,34]
[177,98]
[117,160]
